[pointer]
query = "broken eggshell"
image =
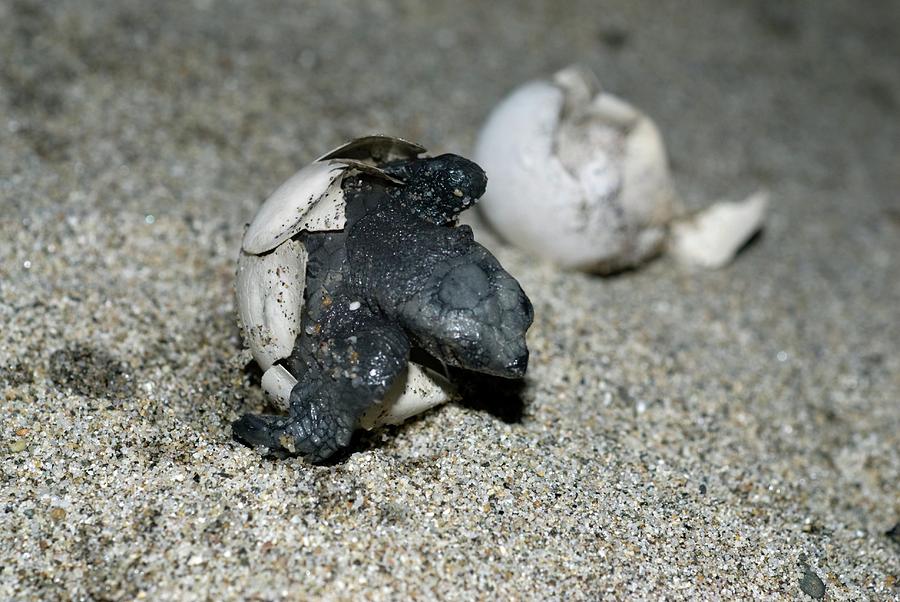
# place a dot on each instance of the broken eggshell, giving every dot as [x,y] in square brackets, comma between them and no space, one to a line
[576,176]
[712,237]
[581,177]
[271,275]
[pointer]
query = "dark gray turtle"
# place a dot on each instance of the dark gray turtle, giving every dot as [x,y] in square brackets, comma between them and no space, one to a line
[354,283]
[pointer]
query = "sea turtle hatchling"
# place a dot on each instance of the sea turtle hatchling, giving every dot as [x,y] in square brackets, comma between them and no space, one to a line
[355,286]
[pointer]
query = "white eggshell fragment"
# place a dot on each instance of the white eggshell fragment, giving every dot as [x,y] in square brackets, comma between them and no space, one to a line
[311,199]
[712,237]
[269,298]
[575,175]
[278,382]
[416,390]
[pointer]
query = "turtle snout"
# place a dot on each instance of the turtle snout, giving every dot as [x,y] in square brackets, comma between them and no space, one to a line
[477,183]
[516,368]
[505,355]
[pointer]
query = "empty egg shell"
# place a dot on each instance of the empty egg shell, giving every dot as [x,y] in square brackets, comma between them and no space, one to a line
[576,175]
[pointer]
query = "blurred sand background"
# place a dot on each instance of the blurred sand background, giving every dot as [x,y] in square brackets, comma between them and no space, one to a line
[709,435]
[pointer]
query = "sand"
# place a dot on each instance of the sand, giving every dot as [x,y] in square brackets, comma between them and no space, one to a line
[726,434]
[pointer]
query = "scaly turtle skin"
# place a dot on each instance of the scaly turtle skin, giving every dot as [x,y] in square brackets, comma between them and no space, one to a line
[399,277]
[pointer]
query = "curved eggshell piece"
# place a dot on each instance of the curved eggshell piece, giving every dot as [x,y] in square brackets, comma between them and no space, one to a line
[310,200]
[376,148]
[416,390]
[270,298]
[278,383]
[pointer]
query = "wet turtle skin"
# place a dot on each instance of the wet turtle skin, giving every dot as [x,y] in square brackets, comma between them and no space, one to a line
[399,277]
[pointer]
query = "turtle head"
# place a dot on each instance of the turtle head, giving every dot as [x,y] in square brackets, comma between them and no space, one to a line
[437,189]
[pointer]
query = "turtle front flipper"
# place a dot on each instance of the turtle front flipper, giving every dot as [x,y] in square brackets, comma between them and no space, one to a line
[346,371]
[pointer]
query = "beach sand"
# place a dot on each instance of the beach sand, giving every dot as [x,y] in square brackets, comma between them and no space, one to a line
[684,435]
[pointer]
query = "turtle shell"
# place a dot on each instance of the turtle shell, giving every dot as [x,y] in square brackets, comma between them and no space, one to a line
[271,276]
